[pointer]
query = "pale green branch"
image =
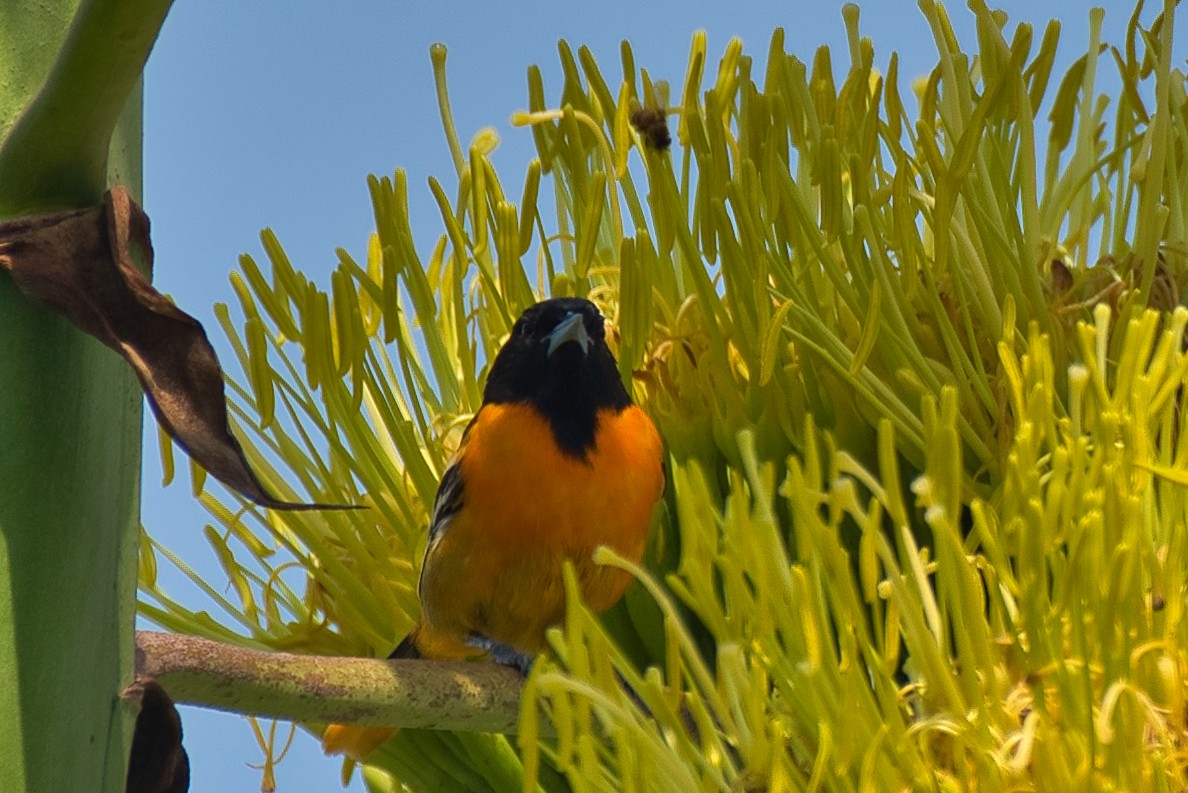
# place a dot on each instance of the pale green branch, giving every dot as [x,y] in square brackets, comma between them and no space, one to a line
[442,695]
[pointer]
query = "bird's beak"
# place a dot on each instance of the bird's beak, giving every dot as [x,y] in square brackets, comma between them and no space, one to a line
[572,328]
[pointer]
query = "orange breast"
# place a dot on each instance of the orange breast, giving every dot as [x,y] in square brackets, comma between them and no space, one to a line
[526,508]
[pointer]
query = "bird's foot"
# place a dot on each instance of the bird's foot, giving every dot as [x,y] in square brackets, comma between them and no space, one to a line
[502,654]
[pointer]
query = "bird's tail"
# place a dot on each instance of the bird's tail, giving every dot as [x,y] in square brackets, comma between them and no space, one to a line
[355,742]
[358,742]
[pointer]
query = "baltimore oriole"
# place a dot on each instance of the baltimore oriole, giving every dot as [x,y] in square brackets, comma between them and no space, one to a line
[556,462]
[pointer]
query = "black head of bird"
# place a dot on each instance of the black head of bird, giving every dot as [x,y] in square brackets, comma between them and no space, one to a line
[557,359]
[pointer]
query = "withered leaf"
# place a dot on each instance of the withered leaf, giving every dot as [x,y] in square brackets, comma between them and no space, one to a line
[1062,277]
[79,264]
[158,762]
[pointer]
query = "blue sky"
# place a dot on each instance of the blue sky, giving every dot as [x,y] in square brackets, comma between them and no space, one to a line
[273,114]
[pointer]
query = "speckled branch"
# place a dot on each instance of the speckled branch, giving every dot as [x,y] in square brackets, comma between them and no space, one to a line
[477,697]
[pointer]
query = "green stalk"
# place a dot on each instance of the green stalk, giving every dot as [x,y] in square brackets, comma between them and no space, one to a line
[70,409]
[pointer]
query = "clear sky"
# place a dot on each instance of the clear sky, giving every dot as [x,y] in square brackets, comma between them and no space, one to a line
[273,114]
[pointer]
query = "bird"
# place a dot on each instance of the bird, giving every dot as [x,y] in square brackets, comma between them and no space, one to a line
[557,461]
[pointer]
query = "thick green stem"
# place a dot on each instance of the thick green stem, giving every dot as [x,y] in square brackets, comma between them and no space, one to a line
[69,460]
[55,155]
[70,409]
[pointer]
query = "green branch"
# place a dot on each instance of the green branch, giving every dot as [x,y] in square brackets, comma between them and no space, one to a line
[442,695]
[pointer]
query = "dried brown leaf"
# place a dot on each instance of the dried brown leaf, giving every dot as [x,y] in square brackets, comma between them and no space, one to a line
[158,762]
[79,264]
[1062,278]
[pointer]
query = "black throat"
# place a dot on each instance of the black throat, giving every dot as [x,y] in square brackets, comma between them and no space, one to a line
[570,394]
[576,388]
[569,380]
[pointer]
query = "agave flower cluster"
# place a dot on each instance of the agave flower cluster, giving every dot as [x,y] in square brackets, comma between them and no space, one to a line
[925,524]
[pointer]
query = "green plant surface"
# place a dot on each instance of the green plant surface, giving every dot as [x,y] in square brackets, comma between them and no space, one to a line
[919,380]
[70,417]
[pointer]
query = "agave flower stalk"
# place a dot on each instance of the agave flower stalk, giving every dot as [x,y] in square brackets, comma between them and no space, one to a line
[70,418]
